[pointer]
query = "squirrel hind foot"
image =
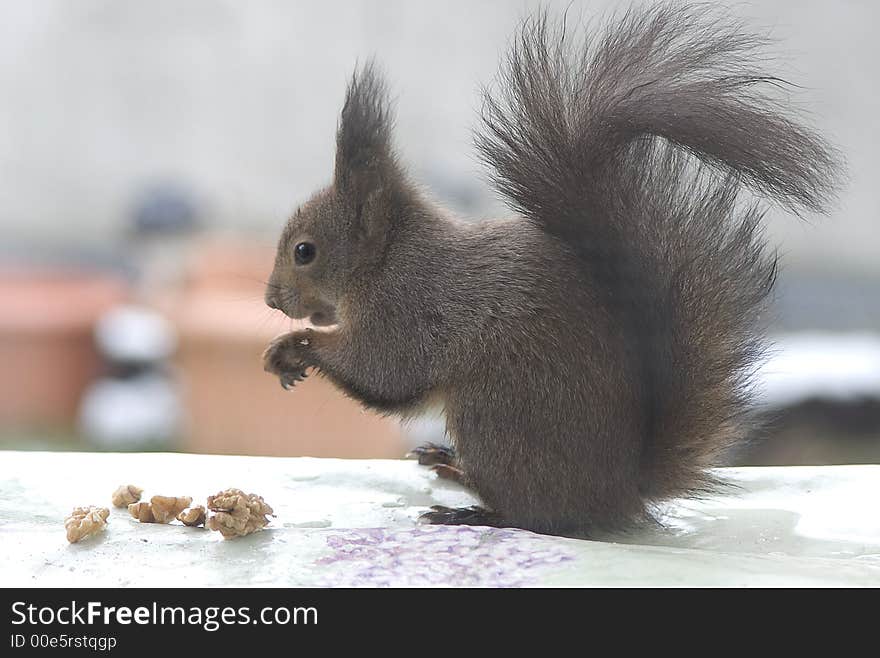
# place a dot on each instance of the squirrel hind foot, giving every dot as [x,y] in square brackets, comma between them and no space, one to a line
[430,454]
[473,515]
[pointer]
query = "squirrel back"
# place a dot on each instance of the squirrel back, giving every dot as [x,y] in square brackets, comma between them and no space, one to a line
[593,355]
[635,149]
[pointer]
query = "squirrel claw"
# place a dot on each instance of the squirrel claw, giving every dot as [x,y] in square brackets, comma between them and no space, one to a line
[288,381]
[430,454]
[448,472]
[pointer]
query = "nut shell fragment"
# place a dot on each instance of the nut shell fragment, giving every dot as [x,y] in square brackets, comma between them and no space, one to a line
[85,521]
[126,494]
[236,513]
[193,516]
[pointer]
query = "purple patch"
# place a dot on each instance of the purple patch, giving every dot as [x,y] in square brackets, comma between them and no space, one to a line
[461,556]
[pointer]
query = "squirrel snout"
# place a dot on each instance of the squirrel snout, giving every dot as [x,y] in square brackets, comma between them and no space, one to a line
[272,299]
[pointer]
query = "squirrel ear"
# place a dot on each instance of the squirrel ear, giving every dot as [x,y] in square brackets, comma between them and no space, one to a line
[363,141]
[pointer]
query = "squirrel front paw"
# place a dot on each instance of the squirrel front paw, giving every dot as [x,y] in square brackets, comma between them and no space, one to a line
[288,357]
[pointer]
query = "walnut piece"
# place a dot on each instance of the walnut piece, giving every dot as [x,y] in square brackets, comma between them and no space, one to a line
[85,521]
[193,516]
[236,513]
[166,508]
[160,509]
[126,494]
[143,512]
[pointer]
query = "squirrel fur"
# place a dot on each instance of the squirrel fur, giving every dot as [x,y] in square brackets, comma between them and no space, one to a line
[593,354]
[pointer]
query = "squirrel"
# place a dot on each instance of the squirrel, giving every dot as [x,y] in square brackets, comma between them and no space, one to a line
[594,354]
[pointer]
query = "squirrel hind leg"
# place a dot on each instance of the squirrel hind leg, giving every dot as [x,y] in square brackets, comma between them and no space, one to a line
[443,462]
[473,515]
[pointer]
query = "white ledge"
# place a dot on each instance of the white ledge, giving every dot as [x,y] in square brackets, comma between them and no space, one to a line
[353,523]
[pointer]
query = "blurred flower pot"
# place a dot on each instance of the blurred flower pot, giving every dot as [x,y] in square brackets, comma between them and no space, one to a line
[231,405]
[47,349]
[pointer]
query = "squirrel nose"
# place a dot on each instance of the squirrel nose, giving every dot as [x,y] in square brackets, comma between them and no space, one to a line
[272,301]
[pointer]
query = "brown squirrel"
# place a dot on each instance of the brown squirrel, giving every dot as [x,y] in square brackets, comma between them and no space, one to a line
[593,355]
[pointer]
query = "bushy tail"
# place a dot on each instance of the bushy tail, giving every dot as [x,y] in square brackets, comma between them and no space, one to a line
[633,148]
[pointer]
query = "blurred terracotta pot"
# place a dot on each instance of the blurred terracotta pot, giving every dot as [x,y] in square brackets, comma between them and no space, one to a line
[232,406]
[47,350]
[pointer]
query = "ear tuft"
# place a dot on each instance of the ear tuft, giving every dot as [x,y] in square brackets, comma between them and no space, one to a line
[363,140]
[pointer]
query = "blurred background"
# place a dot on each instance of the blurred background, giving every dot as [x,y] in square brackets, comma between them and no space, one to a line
[150,153]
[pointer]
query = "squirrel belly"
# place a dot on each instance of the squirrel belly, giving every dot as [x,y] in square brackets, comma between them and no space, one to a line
[593,353]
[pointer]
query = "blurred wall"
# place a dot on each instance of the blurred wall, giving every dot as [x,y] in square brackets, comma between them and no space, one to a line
[239,101]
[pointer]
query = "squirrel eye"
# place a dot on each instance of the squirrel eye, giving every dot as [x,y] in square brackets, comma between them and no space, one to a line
[304,253]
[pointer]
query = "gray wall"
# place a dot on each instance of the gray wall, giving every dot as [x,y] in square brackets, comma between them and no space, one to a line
[239,101]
